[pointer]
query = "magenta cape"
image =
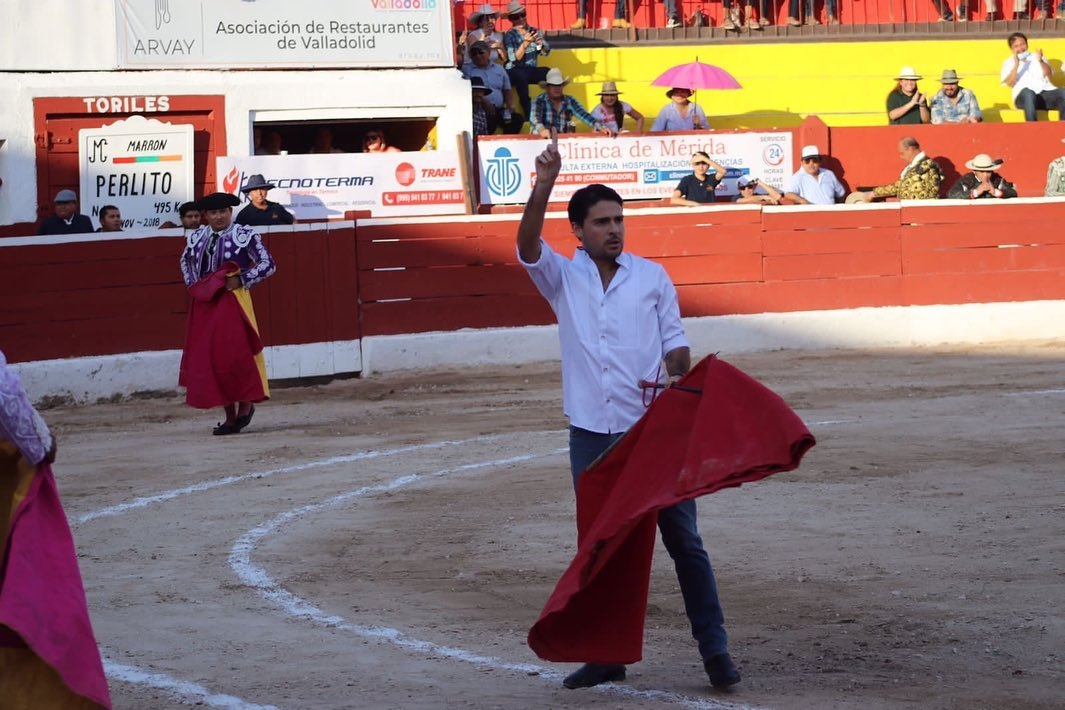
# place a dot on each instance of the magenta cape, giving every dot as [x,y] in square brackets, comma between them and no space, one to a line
[41,596]
[218,364]
[732,430]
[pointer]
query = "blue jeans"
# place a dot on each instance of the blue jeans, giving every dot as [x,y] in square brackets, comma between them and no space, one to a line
[619,9]
[1031,102]
[680,535]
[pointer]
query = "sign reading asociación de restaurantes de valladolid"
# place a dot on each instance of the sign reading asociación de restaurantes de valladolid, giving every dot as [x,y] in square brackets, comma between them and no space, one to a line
[258,34]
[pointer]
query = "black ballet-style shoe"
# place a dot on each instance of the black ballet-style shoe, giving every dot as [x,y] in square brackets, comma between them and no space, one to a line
[592,674]
[225,428]
[245,420]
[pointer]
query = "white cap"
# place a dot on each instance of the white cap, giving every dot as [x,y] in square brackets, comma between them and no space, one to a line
[810,151]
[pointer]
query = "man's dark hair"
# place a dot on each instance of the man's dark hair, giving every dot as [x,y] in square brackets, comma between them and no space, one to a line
[910,142]
[187,207]
[1015,35]
[587,197]
[104,210]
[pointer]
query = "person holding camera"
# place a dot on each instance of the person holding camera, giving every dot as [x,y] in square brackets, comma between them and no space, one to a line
[747,188]
[905,104]
[524,45]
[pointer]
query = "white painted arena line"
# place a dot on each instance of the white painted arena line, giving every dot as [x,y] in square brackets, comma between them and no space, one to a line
[145,501]
[255,576]
[181,688]
[194,692]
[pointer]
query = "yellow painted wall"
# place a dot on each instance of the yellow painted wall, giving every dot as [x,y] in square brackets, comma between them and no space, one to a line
[845,83]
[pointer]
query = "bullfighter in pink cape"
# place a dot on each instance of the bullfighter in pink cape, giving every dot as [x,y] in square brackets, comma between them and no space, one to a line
[48,655]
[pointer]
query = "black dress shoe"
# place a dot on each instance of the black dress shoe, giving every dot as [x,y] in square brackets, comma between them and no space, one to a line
[223,429]
[591,674]
[721,671]
[245,420]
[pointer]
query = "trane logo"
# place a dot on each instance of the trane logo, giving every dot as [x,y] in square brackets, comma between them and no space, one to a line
[438,172]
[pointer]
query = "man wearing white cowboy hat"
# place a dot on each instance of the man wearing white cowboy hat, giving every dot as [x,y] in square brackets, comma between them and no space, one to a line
[982,182]
[954,104]
[524,45]
[556,110]
[259,211]
[484,18]
[905,104]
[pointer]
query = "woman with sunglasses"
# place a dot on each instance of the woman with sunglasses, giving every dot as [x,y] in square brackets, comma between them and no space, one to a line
[747,187]
[699,187]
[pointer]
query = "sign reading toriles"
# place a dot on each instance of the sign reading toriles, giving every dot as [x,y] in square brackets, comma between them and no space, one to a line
[326,186]
[643,167]
[279,33]
[142,166]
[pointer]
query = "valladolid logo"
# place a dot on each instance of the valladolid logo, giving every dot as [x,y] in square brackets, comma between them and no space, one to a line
[503,176]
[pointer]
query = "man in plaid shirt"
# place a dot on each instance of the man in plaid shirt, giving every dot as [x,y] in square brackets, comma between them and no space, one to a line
[556,110]
[953,104]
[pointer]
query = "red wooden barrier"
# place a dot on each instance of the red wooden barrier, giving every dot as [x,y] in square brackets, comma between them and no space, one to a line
[338,283]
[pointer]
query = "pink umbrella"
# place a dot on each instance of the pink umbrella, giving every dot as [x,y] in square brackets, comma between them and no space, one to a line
[696,75]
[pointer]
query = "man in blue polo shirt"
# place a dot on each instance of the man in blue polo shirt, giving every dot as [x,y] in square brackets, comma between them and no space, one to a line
[811,184]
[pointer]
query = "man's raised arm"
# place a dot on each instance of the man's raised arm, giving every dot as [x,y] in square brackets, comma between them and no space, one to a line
[548,165]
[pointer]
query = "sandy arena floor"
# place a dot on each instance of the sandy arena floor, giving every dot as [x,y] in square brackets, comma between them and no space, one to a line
[386,543]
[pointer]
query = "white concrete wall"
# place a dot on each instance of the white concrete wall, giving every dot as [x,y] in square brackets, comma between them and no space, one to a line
[250,96]
[56,35]
[89,379]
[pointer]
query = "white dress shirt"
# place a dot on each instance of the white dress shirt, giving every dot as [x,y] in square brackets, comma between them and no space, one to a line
[611,339]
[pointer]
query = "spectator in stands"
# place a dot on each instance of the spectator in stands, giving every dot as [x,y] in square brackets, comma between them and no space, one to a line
[189,215]
[1055,186]
[67,219]
[271,144]
[699,188]
[747,187]
[482,107]
[611,111]
[765,13]
[323,142]
[375,142]
[954,104]
[110,219]
[811,184]
[1020,9]
[485,19]
[524,46]
[1028,75]
[919,180]
[619,23]
[500,95]
[905,104]
[261,212]
[982,182]
[811,13]
[681,114]
[556,110]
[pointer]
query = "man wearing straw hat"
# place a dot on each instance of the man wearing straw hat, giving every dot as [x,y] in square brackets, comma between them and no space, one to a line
[983,182]
[954,104]
[556,110]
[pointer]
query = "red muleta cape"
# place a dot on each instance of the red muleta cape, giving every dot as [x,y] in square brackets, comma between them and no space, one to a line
[688,444]
[41,595]
[218,363]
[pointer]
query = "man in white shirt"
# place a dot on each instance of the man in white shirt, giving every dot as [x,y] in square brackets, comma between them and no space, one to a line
[1028,75]
[618,323]
[811,184]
